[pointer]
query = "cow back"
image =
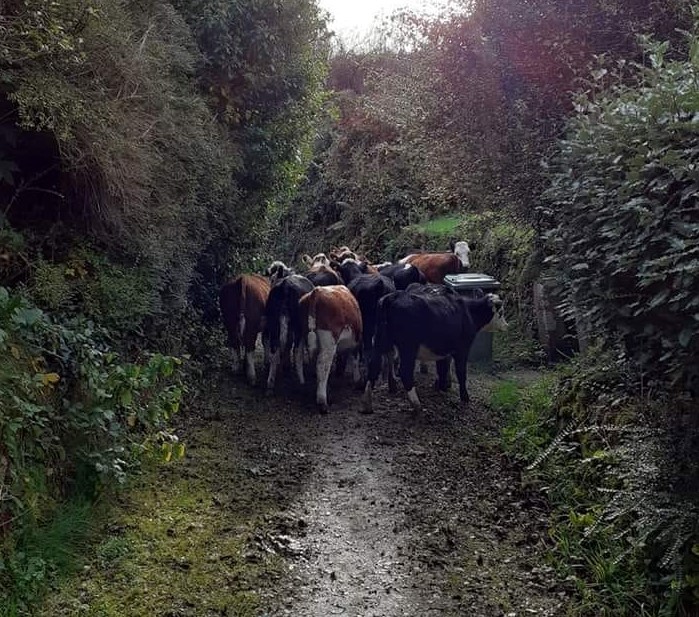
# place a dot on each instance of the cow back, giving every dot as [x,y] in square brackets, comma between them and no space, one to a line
[284,300]
[322,276]
[435,266]
[332,308]
[243,297]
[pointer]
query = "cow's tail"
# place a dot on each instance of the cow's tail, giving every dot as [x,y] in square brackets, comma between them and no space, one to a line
[231,311]
[382,343]
[312,334]
[241,311]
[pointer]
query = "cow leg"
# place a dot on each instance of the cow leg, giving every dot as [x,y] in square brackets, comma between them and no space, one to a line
[407,376]
[340,365]
[442,382]
[250,365]
[300,353]
[460,366]
[355,363]
[274,361]
[326,352]
[423,368]
[391,358]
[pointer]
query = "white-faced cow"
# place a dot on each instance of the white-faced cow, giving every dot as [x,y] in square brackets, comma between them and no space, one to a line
[320,259]
[430,326]
[331,325]
[283,329]
[242,302]
[435,266]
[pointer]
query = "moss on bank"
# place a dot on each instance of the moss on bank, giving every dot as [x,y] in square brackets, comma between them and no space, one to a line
[182,541]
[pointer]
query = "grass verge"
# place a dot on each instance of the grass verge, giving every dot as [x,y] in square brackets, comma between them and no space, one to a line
[621,531]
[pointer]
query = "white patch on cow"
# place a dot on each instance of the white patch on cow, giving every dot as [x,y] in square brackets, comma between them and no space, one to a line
[407,267]
[321,259]
[283,331]
[462,250]
[425,354]
[350,260]
[406,258]
[414,400]
[326,352]
[385,264]
[250,366]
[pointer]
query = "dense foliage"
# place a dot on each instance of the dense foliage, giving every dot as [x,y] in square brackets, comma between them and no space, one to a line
[625,245]
[143,148]
[74,416]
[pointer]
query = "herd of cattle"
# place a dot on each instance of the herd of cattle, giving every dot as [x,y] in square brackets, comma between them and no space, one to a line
[345,310]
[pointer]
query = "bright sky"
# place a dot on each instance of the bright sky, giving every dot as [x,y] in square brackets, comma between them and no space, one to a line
[352,18]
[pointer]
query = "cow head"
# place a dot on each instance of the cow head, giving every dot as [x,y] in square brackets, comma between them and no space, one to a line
[497,323]
[321,259]
[461,250]
[278,270]
[342,253]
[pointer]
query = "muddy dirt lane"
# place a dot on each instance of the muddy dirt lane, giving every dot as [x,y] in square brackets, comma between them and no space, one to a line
[278,510]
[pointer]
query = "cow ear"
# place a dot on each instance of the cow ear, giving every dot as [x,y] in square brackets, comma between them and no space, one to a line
[334,264]
[307,260]
[364,266]
[452,245]
[478,293]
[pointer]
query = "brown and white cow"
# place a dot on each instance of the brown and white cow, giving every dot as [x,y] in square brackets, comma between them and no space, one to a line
[242,302]
[331,326]
[435,266]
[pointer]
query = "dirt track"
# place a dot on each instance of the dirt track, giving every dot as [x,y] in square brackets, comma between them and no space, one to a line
[384,515]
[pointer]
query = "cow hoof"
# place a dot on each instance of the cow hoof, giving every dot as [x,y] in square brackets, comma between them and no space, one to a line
[423,369]
[323,409]
[392,388]
[366,410]
[269,392]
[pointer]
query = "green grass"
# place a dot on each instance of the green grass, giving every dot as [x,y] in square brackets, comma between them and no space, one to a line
[440,226]
[180,542]
[41,556]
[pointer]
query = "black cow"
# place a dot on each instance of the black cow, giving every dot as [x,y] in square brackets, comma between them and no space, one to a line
[403,275]
[350,269]
[368,289]
[322,276]
[283,321]
[432,326]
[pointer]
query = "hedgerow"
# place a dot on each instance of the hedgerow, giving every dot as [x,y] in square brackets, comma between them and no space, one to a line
[624,248]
